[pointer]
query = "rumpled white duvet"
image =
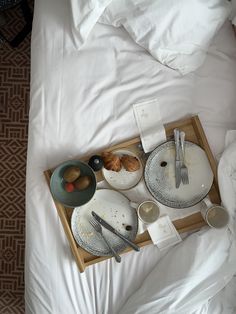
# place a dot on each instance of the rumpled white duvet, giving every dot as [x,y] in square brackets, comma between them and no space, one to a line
[176,33]
[81,101]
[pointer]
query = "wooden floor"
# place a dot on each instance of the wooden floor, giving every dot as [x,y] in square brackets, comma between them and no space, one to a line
[14,107]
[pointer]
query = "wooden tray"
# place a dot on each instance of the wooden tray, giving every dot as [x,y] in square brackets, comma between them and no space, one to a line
[194,133]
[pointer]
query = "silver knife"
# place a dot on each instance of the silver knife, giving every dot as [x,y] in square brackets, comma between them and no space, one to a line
[177,159]
[113,230]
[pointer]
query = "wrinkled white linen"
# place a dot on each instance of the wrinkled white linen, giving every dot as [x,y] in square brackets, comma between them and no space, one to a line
[84,15]
[230,137]
[176,33]
[186,278]
[233,12]
[225,301]
[81,101]
[227,182]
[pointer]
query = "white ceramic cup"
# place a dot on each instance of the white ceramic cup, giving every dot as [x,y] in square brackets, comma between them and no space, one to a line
[148,212]
[215,216]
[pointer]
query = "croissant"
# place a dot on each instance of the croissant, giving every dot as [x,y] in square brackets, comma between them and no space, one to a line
[130,163]
[111,162]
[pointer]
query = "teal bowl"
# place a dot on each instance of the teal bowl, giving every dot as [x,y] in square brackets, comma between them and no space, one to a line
[75,198]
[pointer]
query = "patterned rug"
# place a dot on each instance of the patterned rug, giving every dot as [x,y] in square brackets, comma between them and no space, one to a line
[14,106]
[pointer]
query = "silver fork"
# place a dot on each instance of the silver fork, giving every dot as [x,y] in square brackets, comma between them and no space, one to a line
[96,225]
[183,169]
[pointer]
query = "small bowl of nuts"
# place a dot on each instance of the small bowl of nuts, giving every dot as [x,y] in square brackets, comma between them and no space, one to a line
[73,183]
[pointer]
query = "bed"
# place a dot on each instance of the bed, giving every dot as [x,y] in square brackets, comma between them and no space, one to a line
[81,101]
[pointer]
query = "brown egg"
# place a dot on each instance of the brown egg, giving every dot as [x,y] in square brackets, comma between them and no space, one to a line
[71,174]
[83,183]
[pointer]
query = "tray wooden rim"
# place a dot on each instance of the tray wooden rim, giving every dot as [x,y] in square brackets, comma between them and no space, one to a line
[143,239]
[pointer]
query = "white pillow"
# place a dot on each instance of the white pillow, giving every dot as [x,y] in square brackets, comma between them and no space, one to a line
[176,32]
[85,14]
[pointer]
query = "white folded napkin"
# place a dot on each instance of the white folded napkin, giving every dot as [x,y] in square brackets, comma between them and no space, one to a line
[163,233]
[151,129]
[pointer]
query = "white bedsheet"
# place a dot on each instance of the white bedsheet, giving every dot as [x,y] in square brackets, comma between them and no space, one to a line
[82,101]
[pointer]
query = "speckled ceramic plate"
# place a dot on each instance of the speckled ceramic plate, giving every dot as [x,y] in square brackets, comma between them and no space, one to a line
[160,175]
[123,180]
[113,207]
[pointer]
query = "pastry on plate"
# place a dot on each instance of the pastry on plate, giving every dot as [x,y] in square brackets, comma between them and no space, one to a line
[111,161]
[130,163]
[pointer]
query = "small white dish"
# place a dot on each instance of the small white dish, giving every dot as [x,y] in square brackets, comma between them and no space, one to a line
[123,180]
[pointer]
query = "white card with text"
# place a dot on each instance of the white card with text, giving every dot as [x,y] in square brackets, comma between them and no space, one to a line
[163,233]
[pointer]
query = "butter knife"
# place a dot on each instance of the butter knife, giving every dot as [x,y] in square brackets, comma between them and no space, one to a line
[177,159]
[113,230]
